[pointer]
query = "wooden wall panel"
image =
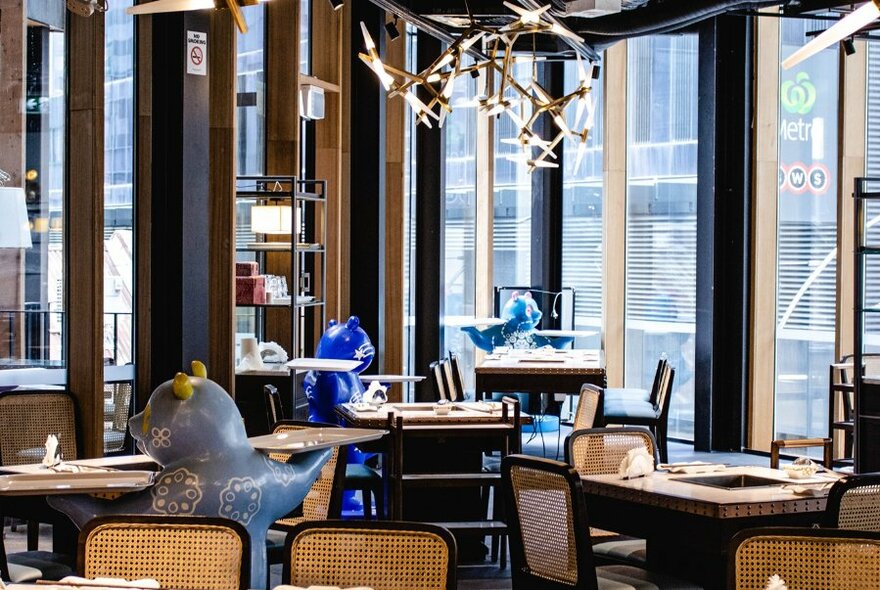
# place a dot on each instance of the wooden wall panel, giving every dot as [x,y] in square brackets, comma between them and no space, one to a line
[12,133]
[614,234]
[762,348]
[282,131]
[85,226]
[395,223]
[222,68]
[143,204]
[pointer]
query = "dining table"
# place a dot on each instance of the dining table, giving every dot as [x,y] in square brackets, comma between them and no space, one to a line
[543,370]
[689,519]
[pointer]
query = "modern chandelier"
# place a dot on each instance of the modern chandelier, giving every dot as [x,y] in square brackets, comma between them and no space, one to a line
[523,102]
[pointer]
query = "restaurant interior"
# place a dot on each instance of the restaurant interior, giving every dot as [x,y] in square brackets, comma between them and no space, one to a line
[402,295]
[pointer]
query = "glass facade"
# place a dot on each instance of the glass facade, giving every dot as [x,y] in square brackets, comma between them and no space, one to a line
[806,236]
[661,224]
[582,218]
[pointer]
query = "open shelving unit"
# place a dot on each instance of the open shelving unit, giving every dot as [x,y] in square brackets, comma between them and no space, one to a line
[301,258]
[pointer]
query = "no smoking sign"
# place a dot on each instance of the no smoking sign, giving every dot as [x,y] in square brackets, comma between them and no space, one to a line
[196,52]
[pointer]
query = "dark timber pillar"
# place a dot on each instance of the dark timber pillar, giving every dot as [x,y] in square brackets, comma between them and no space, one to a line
[367,180]
[429,270]
[180,236]
[723,203]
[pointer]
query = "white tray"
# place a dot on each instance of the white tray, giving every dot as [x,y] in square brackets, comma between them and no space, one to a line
[86,482]
[312,439]
[311,364]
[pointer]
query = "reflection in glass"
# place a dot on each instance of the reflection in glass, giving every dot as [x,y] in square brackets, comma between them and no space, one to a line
[661,217]
[582,209]
[807,236]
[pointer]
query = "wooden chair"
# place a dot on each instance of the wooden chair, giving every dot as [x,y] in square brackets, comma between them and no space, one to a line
[801,443]
[186,553]
[549,532]
[26,419]
[589,401]
[384,555]
[854,504]
[599,451]
[448,381]
[805,558]
[274,409]
[653,413]
[116,414]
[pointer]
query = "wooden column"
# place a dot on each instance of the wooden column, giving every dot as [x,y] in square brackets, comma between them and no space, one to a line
[282,133]
[12,126]
[143,205]
[614,232]
[765,185]
[395,162]
[221,199]
[84,226]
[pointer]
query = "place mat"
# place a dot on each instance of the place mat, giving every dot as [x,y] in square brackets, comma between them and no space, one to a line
[692,467]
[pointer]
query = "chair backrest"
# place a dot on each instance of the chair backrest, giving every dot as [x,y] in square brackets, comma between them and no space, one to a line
[383,555]
[547,522]
[599,451]
[438,371]
[274,408]
[454,378]
[27,418]
[182,552]
[662,395]
[324,499]
[588,402]
[805,558]
[120,395]
[854,504]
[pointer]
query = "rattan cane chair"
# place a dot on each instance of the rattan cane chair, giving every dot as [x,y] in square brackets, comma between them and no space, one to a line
[588,402]
[805,558]
[387,555]
[185,553]
[854,504]
[116,415]
[549,540]
[599,451]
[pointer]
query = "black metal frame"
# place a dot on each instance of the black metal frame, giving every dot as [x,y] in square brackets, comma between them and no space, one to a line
[236,527]
[385,525]
[831,516]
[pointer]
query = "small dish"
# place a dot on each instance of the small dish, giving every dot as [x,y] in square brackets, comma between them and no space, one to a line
[365,407]
[801,471]
[442,408]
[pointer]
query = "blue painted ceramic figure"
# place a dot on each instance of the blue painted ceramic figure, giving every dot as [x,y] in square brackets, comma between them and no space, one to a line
[325,389]
[521,316]
[192,428]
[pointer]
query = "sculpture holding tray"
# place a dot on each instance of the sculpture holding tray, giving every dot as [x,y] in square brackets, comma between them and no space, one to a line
[192,428]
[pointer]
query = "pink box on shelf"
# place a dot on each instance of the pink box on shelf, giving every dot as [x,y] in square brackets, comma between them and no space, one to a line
[247,269]
[250,290]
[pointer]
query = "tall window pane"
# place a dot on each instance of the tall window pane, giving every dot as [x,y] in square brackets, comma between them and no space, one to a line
[872,169]
[32,252]
[251,94]
[460,209]
[410,171]
[582,207]
[807,236]
[661,223]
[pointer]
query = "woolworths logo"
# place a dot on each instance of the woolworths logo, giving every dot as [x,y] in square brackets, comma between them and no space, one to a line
[799,95]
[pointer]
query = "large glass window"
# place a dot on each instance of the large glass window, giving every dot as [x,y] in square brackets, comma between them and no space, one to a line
[410,170]
[460,210]
[661,224]
[806,234]
[32,239]
[872,169]
[251,94]
[582,207]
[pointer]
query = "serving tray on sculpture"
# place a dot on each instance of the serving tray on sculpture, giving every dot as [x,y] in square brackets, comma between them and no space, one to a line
[311,439]
[87,482]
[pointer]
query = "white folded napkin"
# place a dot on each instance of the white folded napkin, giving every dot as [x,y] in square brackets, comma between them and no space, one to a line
[776,583]
[51,458]
[637,463]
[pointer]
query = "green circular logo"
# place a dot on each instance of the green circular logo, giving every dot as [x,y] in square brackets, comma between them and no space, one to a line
[799,95]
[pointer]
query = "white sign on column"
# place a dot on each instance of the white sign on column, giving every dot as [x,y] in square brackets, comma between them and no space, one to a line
[197,53]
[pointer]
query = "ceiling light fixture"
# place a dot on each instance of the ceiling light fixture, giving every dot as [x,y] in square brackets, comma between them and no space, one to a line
[523,103]
[391,29]
[845,27]
[849,47]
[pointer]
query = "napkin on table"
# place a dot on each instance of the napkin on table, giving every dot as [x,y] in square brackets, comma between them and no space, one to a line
[637,463]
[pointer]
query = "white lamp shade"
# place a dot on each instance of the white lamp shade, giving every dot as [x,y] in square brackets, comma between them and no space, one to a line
[14,229]
[271,219]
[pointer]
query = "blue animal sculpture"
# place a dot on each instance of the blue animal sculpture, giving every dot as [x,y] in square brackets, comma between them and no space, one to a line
[521,315]
[325,389]
[192,428]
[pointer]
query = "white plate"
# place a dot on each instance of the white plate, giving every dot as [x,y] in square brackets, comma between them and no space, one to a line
[311,439]
[86,482]
[312,364]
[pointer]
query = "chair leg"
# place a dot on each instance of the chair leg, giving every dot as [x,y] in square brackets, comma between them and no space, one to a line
[502,562]
[33,535]
[368,503]
[661,442]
